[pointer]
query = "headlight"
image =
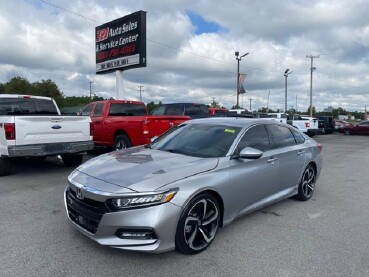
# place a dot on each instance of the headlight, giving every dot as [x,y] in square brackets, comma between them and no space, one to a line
[143,200]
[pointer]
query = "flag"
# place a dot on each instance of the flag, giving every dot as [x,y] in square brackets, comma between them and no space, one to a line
[241,79]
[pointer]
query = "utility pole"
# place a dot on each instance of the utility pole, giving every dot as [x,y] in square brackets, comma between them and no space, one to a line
[286,73]
[311,81]
[91,88]
[140,89]
[250,103]
[296,103]
[238,74]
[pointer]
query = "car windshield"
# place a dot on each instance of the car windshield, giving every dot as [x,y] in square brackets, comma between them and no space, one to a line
[198,140]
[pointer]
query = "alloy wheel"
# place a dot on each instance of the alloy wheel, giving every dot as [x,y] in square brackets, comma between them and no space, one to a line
[308,182]
[201,224]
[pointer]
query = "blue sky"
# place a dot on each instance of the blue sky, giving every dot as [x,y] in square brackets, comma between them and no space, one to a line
[202,26]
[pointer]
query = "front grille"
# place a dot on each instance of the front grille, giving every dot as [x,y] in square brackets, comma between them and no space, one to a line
[85,212]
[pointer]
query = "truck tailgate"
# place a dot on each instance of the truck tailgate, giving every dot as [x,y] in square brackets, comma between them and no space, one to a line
[51,129]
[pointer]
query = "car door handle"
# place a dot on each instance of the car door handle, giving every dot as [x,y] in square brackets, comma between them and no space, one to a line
[271,160]
[97,121]
[300,152]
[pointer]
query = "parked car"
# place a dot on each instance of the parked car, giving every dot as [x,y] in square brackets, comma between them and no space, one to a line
[326,124]
[122,123]
[176,192]
[362,128]
[306,124]
[219,112]
[32,127]
[340,125]
[193,110]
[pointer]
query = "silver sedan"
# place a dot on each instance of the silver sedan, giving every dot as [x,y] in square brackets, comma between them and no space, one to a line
[176,192]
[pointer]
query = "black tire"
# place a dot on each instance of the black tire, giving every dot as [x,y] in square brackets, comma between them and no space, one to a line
[5,166]
[311,134]
[197,228]
[347,132]
[72,160]
[121,142]
[307,184]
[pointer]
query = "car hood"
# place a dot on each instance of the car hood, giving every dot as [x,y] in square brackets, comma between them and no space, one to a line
[138,169]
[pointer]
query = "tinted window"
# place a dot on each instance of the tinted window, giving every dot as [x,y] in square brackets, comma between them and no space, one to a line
[256,137]
[126,109]
[27,106]
[299,138]
[159,111]
[174,109]
[191,109]
[98,109]
[280,136]
[199,140]
[86,111]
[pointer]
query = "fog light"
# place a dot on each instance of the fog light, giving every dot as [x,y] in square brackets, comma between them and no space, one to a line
[135,234]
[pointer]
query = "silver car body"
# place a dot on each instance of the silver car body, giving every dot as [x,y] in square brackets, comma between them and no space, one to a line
[240,185]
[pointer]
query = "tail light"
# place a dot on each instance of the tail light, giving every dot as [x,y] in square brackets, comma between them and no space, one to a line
[307,124]
[9,131]
[145,127]
[91,129]
[320,147]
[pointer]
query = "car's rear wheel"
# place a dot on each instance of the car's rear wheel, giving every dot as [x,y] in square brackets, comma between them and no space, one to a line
[121,142]
[198,224]
[307,184]
[347,132]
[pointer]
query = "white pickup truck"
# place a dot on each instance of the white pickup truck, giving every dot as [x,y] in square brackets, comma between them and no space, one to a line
[31,126]
[306,124]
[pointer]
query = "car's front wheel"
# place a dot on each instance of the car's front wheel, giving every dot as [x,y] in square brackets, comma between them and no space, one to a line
[307,184]
[198,224]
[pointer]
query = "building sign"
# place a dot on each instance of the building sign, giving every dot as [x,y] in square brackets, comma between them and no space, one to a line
[121,43]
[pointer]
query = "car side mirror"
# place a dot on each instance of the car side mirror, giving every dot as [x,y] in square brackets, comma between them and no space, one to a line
[250,153]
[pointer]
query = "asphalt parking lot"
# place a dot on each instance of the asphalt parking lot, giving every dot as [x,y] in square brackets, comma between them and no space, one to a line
[326,236]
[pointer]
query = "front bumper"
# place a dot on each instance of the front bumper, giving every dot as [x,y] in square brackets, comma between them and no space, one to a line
[101,224]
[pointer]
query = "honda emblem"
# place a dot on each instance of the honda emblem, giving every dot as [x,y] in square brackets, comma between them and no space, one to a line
[79,193]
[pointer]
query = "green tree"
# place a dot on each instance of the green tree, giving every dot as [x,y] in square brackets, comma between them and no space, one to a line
[150,106]
[18,85]
[214,104]
[49,89]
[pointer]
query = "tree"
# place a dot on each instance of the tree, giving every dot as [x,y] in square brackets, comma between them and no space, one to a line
[18,85]
[308,111]
[151,106]
[214,104]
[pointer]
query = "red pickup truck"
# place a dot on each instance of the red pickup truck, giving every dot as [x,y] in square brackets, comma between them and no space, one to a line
[121,124]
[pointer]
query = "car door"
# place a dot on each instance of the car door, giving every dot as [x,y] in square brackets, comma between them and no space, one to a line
[97,119]
[252,180]
[290,154]
[363,128]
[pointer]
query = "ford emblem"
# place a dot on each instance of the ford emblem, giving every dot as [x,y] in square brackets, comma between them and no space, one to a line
[56,127]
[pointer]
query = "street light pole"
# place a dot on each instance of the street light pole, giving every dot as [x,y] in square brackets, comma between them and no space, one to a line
[90,88]
[238,74]
[311,81]
[286,73]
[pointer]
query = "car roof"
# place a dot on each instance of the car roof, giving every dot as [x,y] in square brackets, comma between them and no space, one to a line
[231,121]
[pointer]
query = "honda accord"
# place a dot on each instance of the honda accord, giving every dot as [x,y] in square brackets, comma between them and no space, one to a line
[176,192]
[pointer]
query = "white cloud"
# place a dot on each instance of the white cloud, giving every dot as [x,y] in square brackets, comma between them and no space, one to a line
[40,41]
